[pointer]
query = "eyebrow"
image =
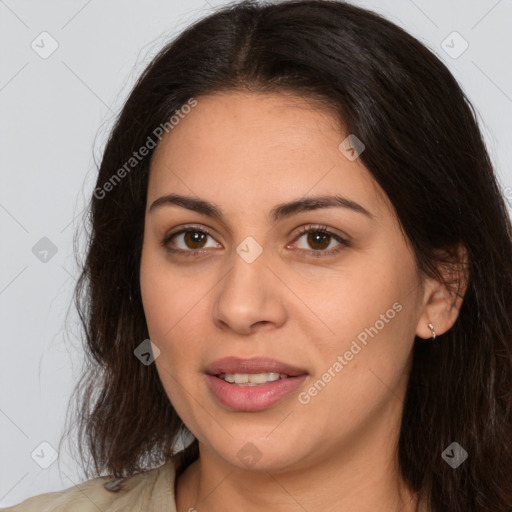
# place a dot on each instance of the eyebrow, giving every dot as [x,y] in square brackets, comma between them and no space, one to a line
[279,212]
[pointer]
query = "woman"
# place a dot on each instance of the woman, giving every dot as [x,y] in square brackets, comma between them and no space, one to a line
[300,255]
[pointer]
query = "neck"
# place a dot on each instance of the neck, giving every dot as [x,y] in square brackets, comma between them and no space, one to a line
[222,490]
[356,476]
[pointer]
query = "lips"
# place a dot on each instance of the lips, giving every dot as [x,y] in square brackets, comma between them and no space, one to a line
[252,397]
[231,365]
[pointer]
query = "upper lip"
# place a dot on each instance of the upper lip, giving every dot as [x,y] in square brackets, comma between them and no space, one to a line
[252,365]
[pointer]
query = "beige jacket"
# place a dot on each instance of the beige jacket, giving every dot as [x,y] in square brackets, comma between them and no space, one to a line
[151,491]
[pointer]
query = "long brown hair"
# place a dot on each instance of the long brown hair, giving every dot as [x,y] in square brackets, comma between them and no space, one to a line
[423,147]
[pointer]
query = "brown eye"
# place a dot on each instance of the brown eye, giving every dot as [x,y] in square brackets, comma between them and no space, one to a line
[194,239]
[318,239]
[190,240]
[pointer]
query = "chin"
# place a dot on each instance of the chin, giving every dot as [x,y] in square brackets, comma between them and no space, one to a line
[258,453]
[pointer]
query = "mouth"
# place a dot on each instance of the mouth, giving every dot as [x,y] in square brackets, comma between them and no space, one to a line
[252,384]
[253,366]
[251,379]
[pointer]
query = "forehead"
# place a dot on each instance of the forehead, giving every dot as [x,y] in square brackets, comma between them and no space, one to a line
[225,122]
[248,148]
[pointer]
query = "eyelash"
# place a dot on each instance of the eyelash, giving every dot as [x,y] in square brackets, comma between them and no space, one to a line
[305,229]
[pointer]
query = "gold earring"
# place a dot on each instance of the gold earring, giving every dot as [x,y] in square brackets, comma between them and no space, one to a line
[433,332]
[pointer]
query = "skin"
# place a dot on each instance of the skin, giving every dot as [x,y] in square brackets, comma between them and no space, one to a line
[246,153]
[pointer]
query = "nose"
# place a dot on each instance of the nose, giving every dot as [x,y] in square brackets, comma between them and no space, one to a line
[250,297]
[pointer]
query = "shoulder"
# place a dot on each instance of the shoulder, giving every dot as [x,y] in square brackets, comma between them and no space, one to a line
[149,491]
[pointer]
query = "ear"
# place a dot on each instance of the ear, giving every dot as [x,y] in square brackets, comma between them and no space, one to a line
[443,296]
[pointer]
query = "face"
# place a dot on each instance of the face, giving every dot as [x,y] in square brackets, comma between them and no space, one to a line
[322,296]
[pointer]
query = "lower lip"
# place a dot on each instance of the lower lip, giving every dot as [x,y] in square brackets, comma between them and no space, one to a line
[253,398]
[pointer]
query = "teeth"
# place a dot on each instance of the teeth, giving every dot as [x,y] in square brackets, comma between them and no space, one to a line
[252,379]
[261,378]
[241,378]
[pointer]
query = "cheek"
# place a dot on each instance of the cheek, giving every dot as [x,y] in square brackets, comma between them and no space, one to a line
[168,298]
[362,301]
[355,381]
[371,315]
[168,306]
[175,310]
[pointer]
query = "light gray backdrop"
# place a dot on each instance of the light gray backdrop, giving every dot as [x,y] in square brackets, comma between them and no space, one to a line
[66,69]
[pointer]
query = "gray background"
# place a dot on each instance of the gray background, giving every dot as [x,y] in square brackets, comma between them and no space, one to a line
[56,113]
